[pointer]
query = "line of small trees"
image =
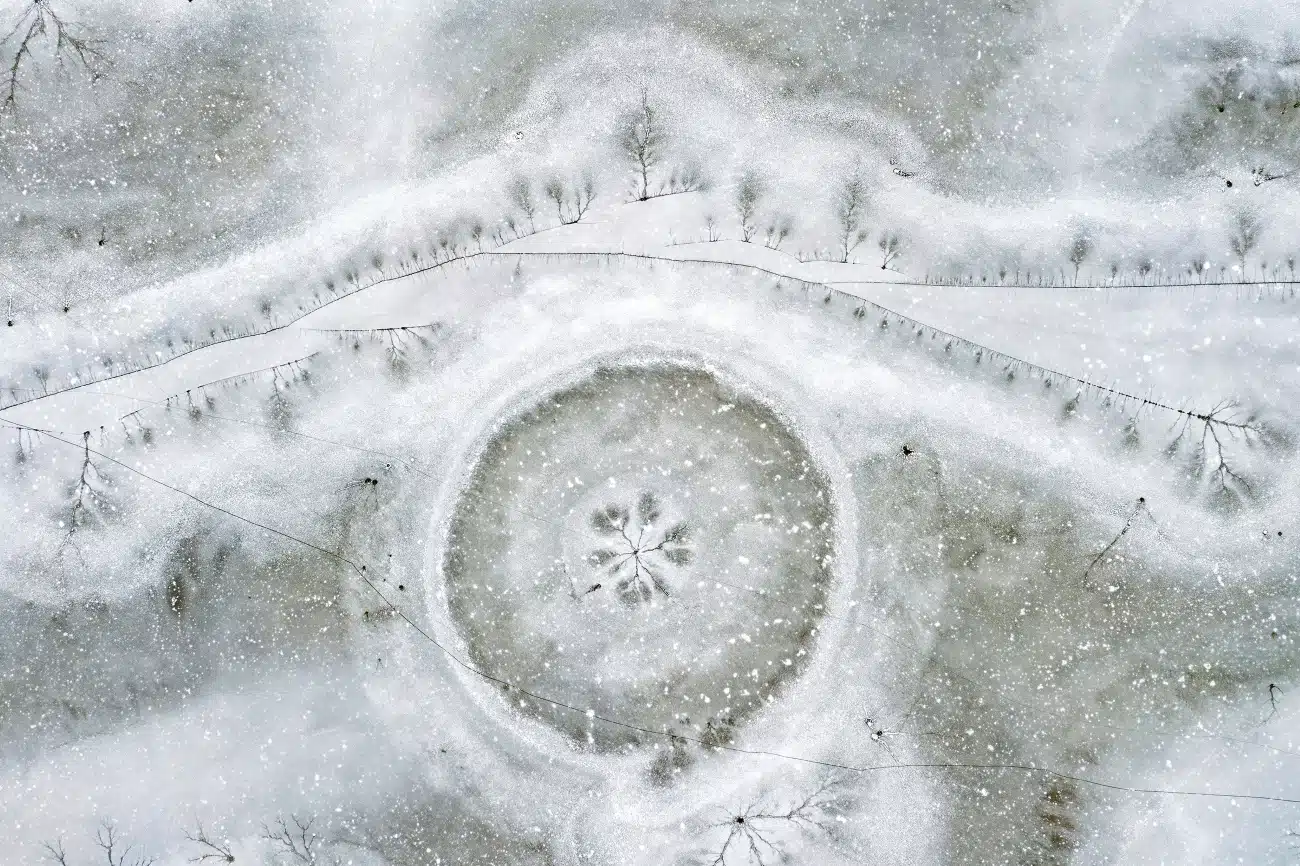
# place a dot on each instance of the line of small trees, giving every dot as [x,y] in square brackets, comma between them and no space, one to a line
[571,199]
[851,208]
[643,138]
[295,840]
[1243,234]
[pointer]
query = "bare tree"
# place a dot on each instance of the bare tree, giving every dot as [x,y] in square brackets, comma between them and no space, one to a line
[754,834]
[208,849]
[749,190]
[554,190]
[1080,250]
[777,231]
[711,225]
[42,374]
[297,842]
[571,203]
[850,211]
[642,137]
[1243,236]
[689,177]
[891,245]
[584,192]
[54,851]
[39,22]
[116,854]
[520,193]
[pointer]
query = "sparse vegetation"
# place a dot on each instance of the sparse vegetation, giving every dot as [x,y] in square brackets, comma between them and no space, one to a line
[107,840]
[572,200]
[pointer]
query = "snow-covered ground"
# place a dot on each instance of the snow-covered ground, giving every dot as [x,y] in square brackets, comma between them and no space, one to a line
[973,558]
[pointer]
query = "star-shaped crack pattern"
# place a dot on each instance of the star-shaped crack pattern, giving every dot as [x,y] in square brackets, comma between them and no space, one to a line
[637,550]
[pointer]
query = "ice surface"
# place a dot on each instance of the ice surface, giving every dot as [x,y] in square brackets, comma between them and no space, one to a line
[317,442]
[648,544]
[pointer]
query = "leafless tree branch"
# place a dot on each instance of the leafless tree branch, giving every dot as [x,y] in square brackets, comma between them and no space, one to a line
[296,842]
[642,138]
[520,193]
[1243,236]
[572,201]
[54,851]
[1080,250]
[39,21]
[209,850]
[850,211]
[749,190]
[777,231]
[106,838]
[891,245]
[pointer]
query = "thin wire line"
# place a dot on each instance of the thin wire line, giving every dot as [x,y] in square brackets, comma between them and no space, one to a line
[830,287]
[902,317]
[590,714]
[1038,711]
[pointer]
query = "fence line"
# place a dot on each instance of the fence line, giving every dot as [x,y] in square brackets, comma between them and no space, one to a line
[980,350]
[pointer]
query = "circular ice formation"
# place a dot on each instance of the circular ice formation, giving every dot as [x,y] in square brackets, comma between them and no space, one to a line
[648,545]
